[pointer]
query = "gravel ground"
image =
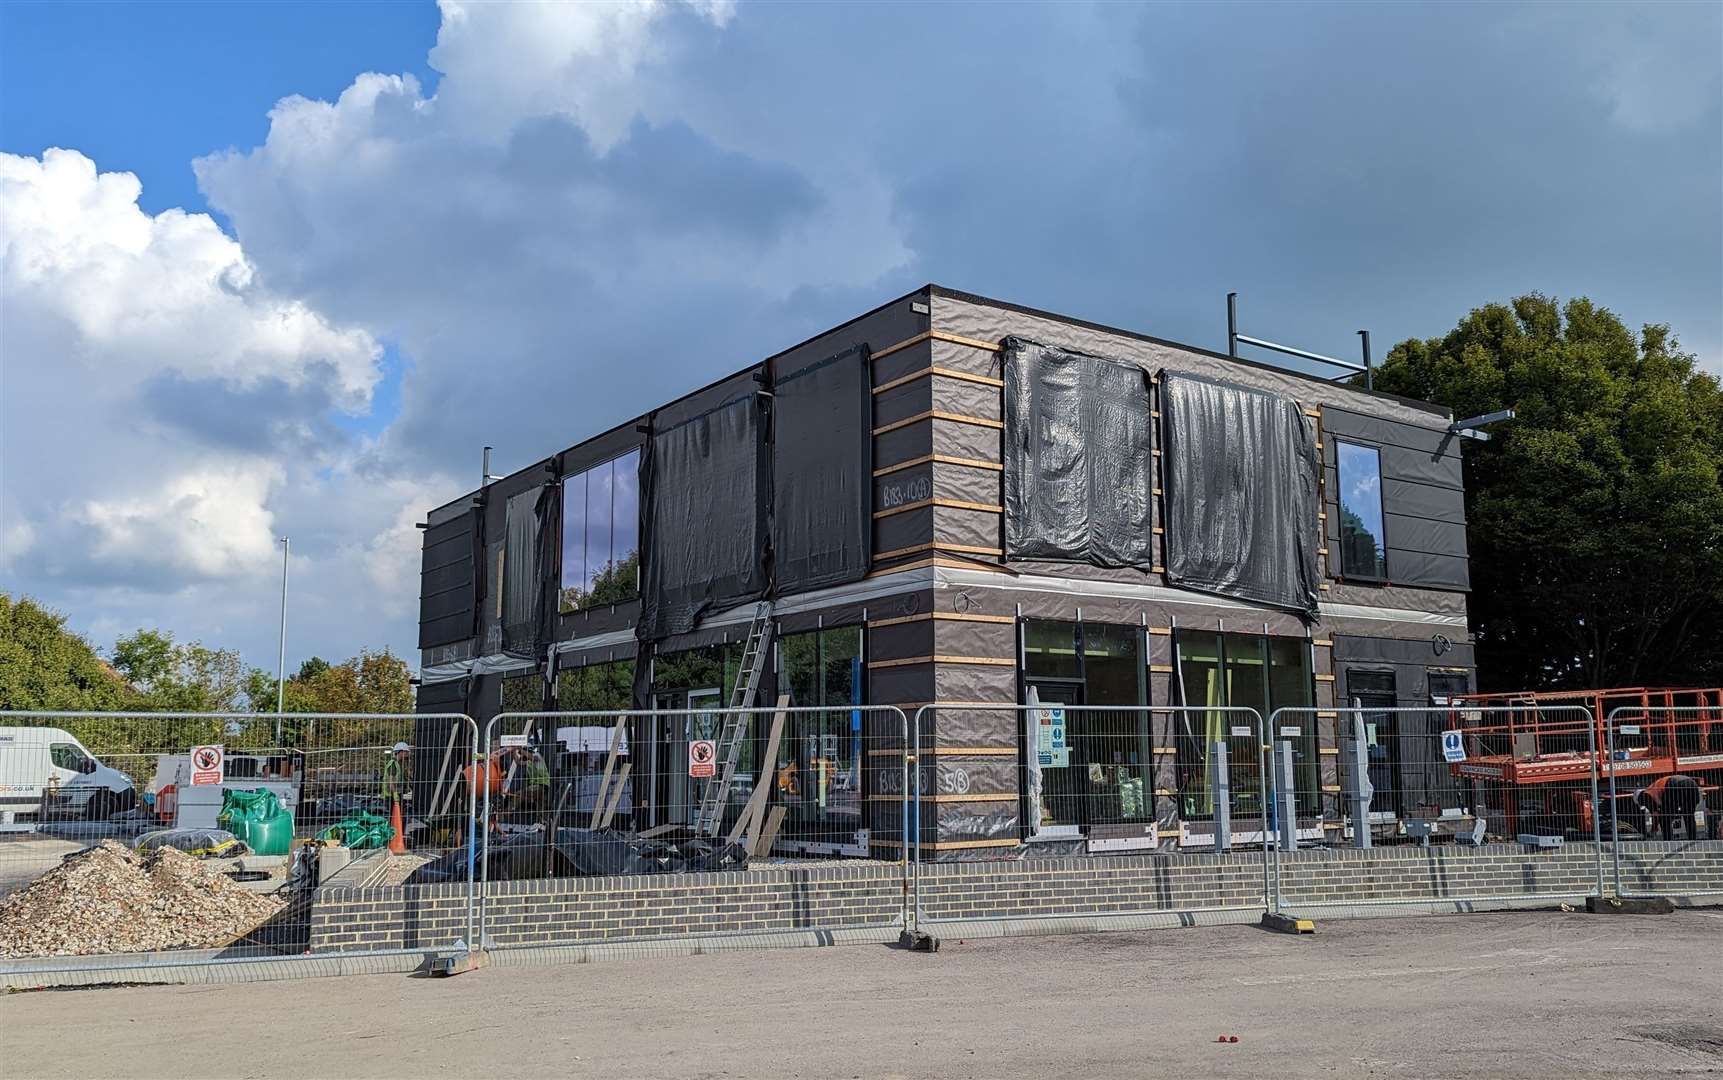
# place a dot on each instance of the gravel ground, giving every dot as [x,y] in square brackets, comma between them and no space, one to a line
[1506,995]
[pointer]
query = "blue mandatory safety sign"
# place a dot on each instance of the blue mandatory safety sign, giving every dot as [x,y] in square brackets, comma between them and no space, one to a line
[1453,747]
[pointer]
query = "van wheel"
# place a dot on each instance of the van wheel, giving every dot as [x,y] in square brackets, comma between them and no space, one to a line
[101,806]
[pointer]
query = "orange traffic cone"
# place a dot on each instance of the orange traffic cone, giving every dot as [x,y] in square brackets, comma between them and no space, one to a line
[397,842]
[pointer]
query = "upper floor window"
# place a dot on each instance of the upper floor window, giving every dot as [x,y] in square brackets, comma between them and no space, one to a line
[601,534]
[1363,543]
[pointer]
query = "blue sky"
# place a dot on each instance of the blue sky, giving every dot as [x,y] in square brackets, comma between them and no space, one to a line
[517,224]
[147,87]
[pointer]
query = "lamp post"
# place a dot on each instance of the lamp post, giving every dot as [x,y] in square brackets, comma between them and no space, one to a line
[281,660]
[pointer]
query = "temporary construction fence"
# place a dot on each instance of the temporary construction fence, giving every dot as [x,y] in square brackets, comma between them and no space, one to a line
[624,829]
[1672,758]
[1071,781]
[610,793]
[132,839]
[1411,775]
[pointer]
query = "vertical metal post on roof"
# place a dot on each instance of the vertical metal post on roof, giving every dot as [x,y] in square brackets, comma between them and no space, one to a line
[1369,381]
[485,470]
[1232,325]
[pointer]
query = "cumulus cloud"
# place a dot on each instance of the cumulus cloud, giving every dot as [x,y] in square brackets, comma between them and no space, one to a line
[159,400]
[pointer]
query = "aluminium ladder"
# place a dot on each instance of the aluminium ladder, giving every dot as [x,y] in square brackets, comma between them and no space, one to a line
[734,732]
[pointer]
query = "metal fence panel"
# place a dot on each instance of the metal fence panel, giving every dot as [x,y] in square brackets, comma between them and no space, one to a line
[709,840]
[1673,758]
[1435,776]
[1084,781]
[133,840]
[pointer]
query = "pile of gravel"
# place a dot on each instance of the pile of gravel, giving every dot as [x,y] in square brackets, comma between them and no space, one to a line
[109,899]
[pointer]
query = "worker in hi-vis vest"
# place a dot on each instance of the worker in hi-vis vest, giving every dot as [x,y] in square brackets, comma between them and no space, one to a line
[395,772]
[1673,798]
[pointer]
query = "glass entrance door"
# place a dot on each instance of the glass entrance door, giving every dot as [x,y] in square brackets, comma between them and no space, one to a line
[679,793]
[1054,760]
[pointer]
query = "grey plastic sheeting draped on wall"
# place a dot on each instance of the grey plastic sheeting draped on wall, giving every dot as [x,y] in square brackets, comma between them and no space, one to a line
[1240,493]
[703,517]
[1078,464]
[821,462]
[522,584]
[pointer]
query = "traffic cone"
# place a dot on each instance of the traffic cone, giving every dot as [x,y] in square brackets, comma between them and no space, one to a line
[397,842]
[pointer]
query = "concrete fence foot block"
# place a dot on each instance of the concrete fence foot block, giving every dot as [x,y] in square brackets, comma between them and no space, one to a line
[1612,905]
[917,941]
[459,962]
[1287,924]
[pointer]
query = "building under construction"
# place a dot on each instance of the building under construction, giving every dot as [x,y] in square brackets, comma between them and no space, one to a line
[953,499]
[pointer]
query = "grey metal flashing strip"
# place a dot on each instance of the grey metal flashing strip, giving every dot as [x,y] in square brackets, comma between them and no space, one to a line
[886,585]
[494,664]
[950,577]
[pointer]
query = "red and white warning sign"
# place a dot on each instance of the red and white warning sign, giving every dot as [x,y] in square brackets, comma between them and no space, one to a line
[208,764]
[702,756]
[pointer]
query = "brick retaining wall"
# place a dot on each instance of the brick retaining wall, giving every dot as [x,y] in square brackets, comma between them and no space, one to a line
[842,895]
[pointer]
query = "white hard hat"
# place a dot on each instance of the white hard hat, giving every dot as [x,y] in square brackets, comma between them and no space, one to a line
[400,746]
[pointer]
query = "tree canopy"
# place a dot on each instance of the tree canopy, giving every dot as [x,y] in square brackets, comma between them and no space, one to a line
[43,665]
[1595,517]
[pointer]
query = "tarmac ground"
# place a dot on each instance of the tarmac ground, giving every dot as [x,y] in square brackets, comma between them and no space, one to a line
[1527,994]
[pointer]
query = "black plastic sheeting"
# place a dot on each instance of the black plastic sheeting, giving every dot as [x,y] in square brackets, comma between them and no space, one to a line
[706,489]
[821,460]
[446,594]
[1240,496]
[522,582]
[524,856]
[1078,461]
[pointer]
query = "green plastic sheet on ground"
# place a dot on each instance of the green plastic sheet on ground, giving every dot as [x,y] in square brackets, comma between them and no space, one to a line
[359,831]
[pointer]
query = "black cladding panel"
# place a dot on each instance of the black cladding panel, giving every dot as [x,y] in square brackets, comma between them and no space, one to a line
[446,593]
[705,488]
[821,473]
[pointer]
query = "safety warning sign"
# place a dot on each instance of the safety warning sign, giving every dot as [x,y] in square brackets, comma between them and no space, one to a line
[701,756]
[207,765]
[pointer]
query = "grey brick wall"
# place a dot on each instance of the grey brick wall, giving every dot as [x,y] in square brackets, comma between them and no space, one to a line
[855,894]
[584,910]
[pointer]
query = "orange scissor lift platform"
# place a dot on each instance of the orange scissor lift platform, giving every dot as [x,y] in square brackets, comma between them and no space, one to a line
[1526,740]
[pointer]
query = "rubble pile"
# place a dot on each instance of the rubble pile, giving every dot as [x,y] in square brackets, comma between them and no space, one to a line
[109,899]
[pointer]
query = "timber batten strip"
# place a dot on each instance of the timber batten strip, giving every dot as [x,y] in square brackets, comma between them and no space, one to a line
[935,414]
[949,504]
[940,658]
[966,549]
[937,335]
[949,373]
[942,616]
[940,459]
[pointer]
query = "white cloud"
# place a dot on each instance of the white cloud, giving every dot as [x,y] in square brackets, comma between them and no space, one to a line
[142,294]
[160,403]
[503,62]
[208,523]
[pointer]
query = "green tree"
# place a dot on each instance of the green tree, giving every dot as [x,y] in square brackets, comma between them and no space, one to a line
[1595,517]
[45,666]
[375,681]
[178,677]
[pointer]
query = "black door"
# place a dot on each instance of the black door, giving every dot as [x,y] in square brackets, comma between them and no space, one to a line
[1382,744]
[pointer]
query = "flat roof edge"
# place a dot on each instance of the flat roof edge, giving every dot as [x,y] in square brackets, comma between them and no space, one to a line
[1024,309]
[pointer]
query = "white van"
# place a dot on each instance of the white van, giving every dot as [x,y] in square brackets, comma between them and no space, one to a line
[42,765]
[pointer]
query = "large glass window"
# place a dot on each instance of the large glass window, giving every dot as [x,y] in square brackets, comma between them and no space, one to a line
[1363,538]
[820,758]
[1241,670]
[1102,771]
[601,534]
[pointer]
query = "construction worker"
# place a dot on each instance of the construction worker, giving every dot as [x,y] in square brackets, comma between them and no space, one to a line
[1669,798]
[395,772]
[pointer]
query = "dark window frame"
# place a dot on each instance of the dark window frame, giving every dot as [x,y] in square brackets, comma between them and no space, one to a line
[1345,572]
[1080,683]
[564,607]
